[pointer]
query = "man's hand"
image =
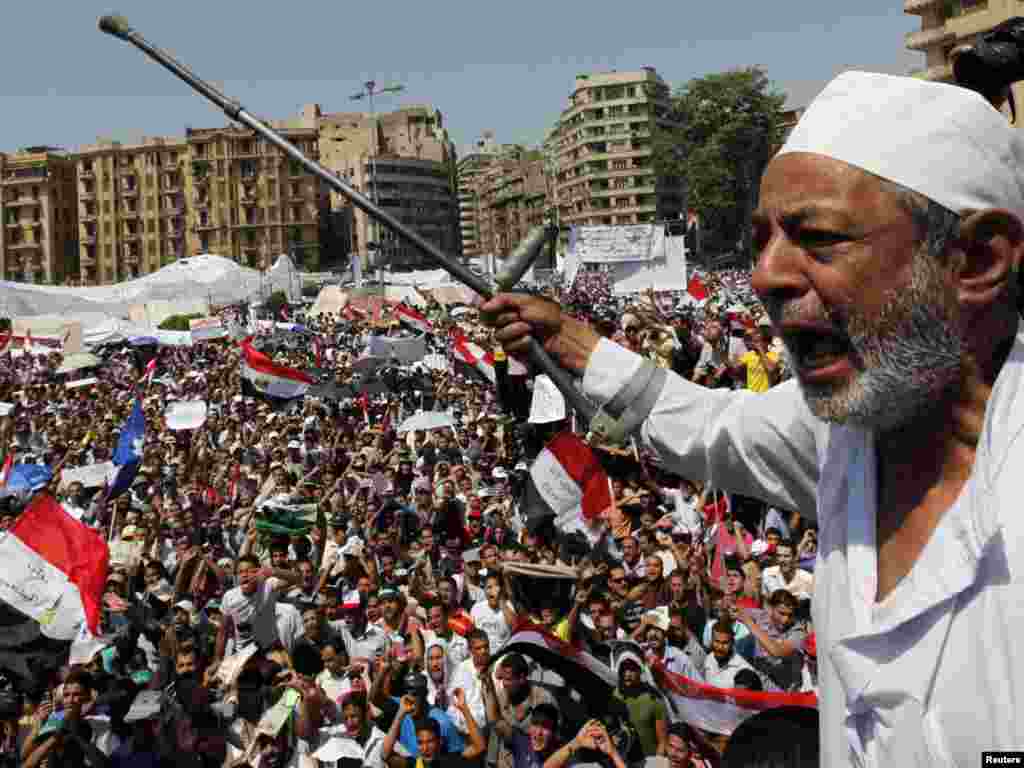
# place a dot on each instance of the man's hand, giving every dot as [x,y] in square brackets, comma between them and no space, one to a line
[459,697]
[516,316]
[408,706]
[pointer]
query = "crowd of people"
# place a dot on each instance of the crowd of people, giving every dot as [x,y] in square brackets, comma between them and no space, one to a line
[302,584]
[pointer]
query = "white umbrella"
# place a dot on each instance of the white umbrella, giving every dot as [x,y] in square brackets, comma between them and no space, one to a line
[460,311]
[425,420]
[435,362]
[78,360]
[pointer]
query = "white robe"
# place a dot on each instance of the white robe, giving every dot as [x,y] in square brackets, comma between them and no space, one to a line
[930,676]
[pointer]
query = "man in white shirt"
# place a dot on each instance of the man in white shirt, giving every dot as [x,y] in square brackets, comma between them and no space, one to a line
[470,677]
[786,575]
[722,664]
[891,274]
[489,615]
[250,609]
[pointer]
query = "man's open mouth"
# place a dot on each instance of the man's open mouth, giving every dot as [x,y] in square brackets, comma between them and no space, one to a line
[815,348]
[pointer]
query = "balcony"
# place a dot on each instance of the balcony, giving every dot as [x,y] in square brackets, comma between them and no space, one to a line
[204,226]
[34,179]
[88,240]
[86,260]
[924,39]
[173,210]
[129,191]
[125,214]
[89,194]
[130,237]
[86,173]
[87,217]
[24,245]
[17,202]
[171,188]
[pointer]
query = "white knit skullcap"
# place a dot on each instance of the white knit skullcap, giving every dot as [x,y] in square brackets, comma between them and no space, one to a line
[943,141]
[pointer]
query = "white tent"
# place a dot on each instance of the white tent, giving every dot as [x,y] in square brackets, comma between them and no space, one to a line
[215,279]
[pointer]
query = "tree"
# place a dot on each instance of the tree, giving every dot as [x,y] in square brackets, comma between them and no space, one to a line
[727,126]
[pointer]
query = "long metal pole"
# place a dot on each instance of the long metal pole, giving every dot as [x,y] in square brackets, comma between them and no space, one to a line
[119,27]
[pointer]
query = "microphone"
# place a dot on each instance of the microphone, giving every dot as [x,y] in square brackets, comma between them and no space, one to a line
[116,25]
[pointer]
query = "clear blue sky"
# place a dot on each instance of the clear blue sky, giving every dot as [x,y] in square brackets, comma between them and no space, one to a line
[502,66]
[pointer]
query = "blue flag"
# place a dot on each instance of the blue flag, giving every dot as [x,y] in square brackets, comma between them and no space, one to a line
[128,455]
[26,478]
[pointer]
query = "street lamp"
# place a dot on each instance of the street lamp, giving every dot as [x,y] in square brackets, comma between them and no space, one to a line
[370,89]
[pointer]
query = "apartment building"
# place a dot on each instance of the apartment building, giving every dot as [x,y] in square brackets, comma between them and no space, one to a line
[37,205]
[513,198]
[472,164]
[946,24]
[405,162]
[248,201]
[131,207]
[602,150]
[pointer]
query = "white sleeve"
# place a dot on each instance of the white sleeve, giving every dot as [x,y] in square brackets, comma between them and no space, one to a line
[762,445]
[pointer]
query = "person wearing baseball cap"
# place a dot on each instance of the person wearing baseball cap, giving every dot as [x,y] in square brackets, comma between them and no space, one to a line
[428,734]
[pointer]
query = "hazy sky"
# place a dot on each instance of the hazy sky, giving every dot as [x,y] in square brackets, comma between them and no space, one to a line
[502,66]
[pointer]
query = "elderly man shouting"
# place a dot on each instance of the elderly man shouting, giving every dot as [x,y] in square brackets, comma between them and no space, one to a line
[889,244]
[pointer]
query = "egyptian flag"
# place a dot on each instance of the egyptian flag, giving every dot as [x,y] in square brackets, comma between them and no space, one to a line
[55,571]
[473,358]
[269,379]
[697,289]
[721,710]
[566,484]
[4,341]
[413,319]
[595,679]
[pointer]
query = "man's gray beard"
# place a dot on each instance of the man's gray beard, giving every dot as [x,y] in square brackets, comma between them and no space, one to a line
[905,358]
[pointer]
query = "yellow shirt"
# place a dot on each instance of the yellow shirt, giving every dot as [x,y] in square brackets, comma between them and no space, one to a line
[757,377]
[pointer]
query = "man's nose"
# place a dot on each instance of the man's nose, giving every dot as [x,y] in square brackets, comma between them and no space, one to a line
[779,272]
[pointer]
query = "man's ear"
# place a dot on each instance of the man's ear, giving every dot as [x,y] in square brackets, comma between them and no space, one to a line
[991,248]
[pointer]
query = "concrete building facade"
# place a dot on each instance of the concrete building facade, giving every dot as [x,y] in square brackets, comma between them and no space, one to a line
[38,208]
[602,151]
[473,162]
[946,24]
[402,159]
[249,201]
[513,194]
[131,208]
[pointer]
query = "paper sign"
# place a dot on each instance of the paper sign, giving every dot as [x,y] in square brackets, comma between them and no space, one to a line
[92,476]
[126,553]
[6,408]
[548,404]
[206,328]
[81,383]
[185,414]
